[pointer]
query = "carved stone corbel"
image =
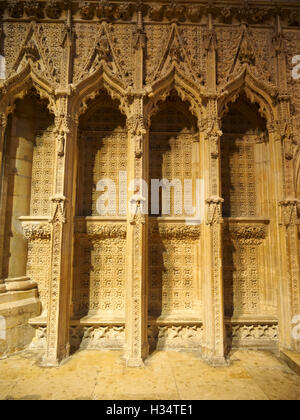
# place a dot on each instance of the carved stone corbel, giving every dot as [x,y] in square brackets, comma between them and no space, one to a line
[214,210]
[288,212]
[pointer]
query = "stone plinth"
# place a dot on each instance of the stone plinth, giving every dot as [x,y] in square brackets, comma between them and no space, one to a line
[16,308]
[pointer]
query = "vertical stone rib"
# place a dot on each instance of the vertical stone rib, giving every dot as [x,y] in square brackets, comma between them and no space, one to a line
[137,225]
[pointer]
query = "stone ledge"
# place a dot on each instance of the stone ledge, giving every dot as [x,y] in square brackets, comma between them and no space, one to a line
[292,359]
[16,308]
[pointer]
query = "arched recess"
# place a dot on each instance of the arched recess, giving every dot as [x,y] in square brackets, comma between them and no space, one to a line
[26,187]
[250,217]
[186,89]
[257,91]
[174,283]
[91,87]
[100,238]
[17,86]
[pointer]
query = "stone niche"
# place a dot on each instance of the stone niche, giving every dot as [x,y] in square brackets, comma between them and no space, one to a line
[26,195]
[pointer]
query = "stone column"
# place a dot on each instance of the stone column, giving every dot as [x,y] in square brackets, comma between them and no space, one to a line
[61,238]
[213,350]
[3,124]
[137,348]
[16,202]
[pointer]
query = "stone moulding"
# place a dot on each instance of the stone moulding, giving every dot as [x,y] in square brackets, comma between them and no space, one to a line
[165,336]
[183,12]
[100,229]
[36,231]
[253,334]
[247,231]
[175,337]
[175,231]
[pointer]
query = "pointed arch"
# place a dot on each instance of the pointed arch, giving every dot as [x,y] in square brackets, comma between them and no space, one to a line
[17,86]
[187,90]
[89,88]
[257,91]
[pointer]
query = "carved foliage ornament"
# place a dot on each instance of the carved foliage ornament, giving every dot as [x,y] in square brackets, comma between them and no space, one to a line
[34,231]
[172,12]
[255,332]
[101,231]
[252,234]
[175,231]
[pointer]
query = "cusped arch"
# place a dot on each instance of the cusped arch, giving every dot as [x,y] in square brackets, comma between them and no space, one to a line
[19,85]
[255,90]
[187,90]
[89,88]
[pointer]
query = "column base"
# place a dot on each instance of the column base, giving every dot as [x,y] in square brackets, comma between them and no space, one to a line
[46,362]
[214,360]
[135,362]
[19,284]
[50,362]
[16,308]
[218,361]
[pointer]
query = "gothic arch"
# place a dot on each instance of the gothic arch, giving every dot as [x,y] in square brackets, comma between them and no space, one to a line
[187,90]
[256,91]
[89,89]
[17,86]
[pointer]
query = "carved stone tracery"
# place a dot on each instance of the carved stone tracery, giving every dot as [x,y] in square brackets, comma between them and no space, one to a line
[199,54]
